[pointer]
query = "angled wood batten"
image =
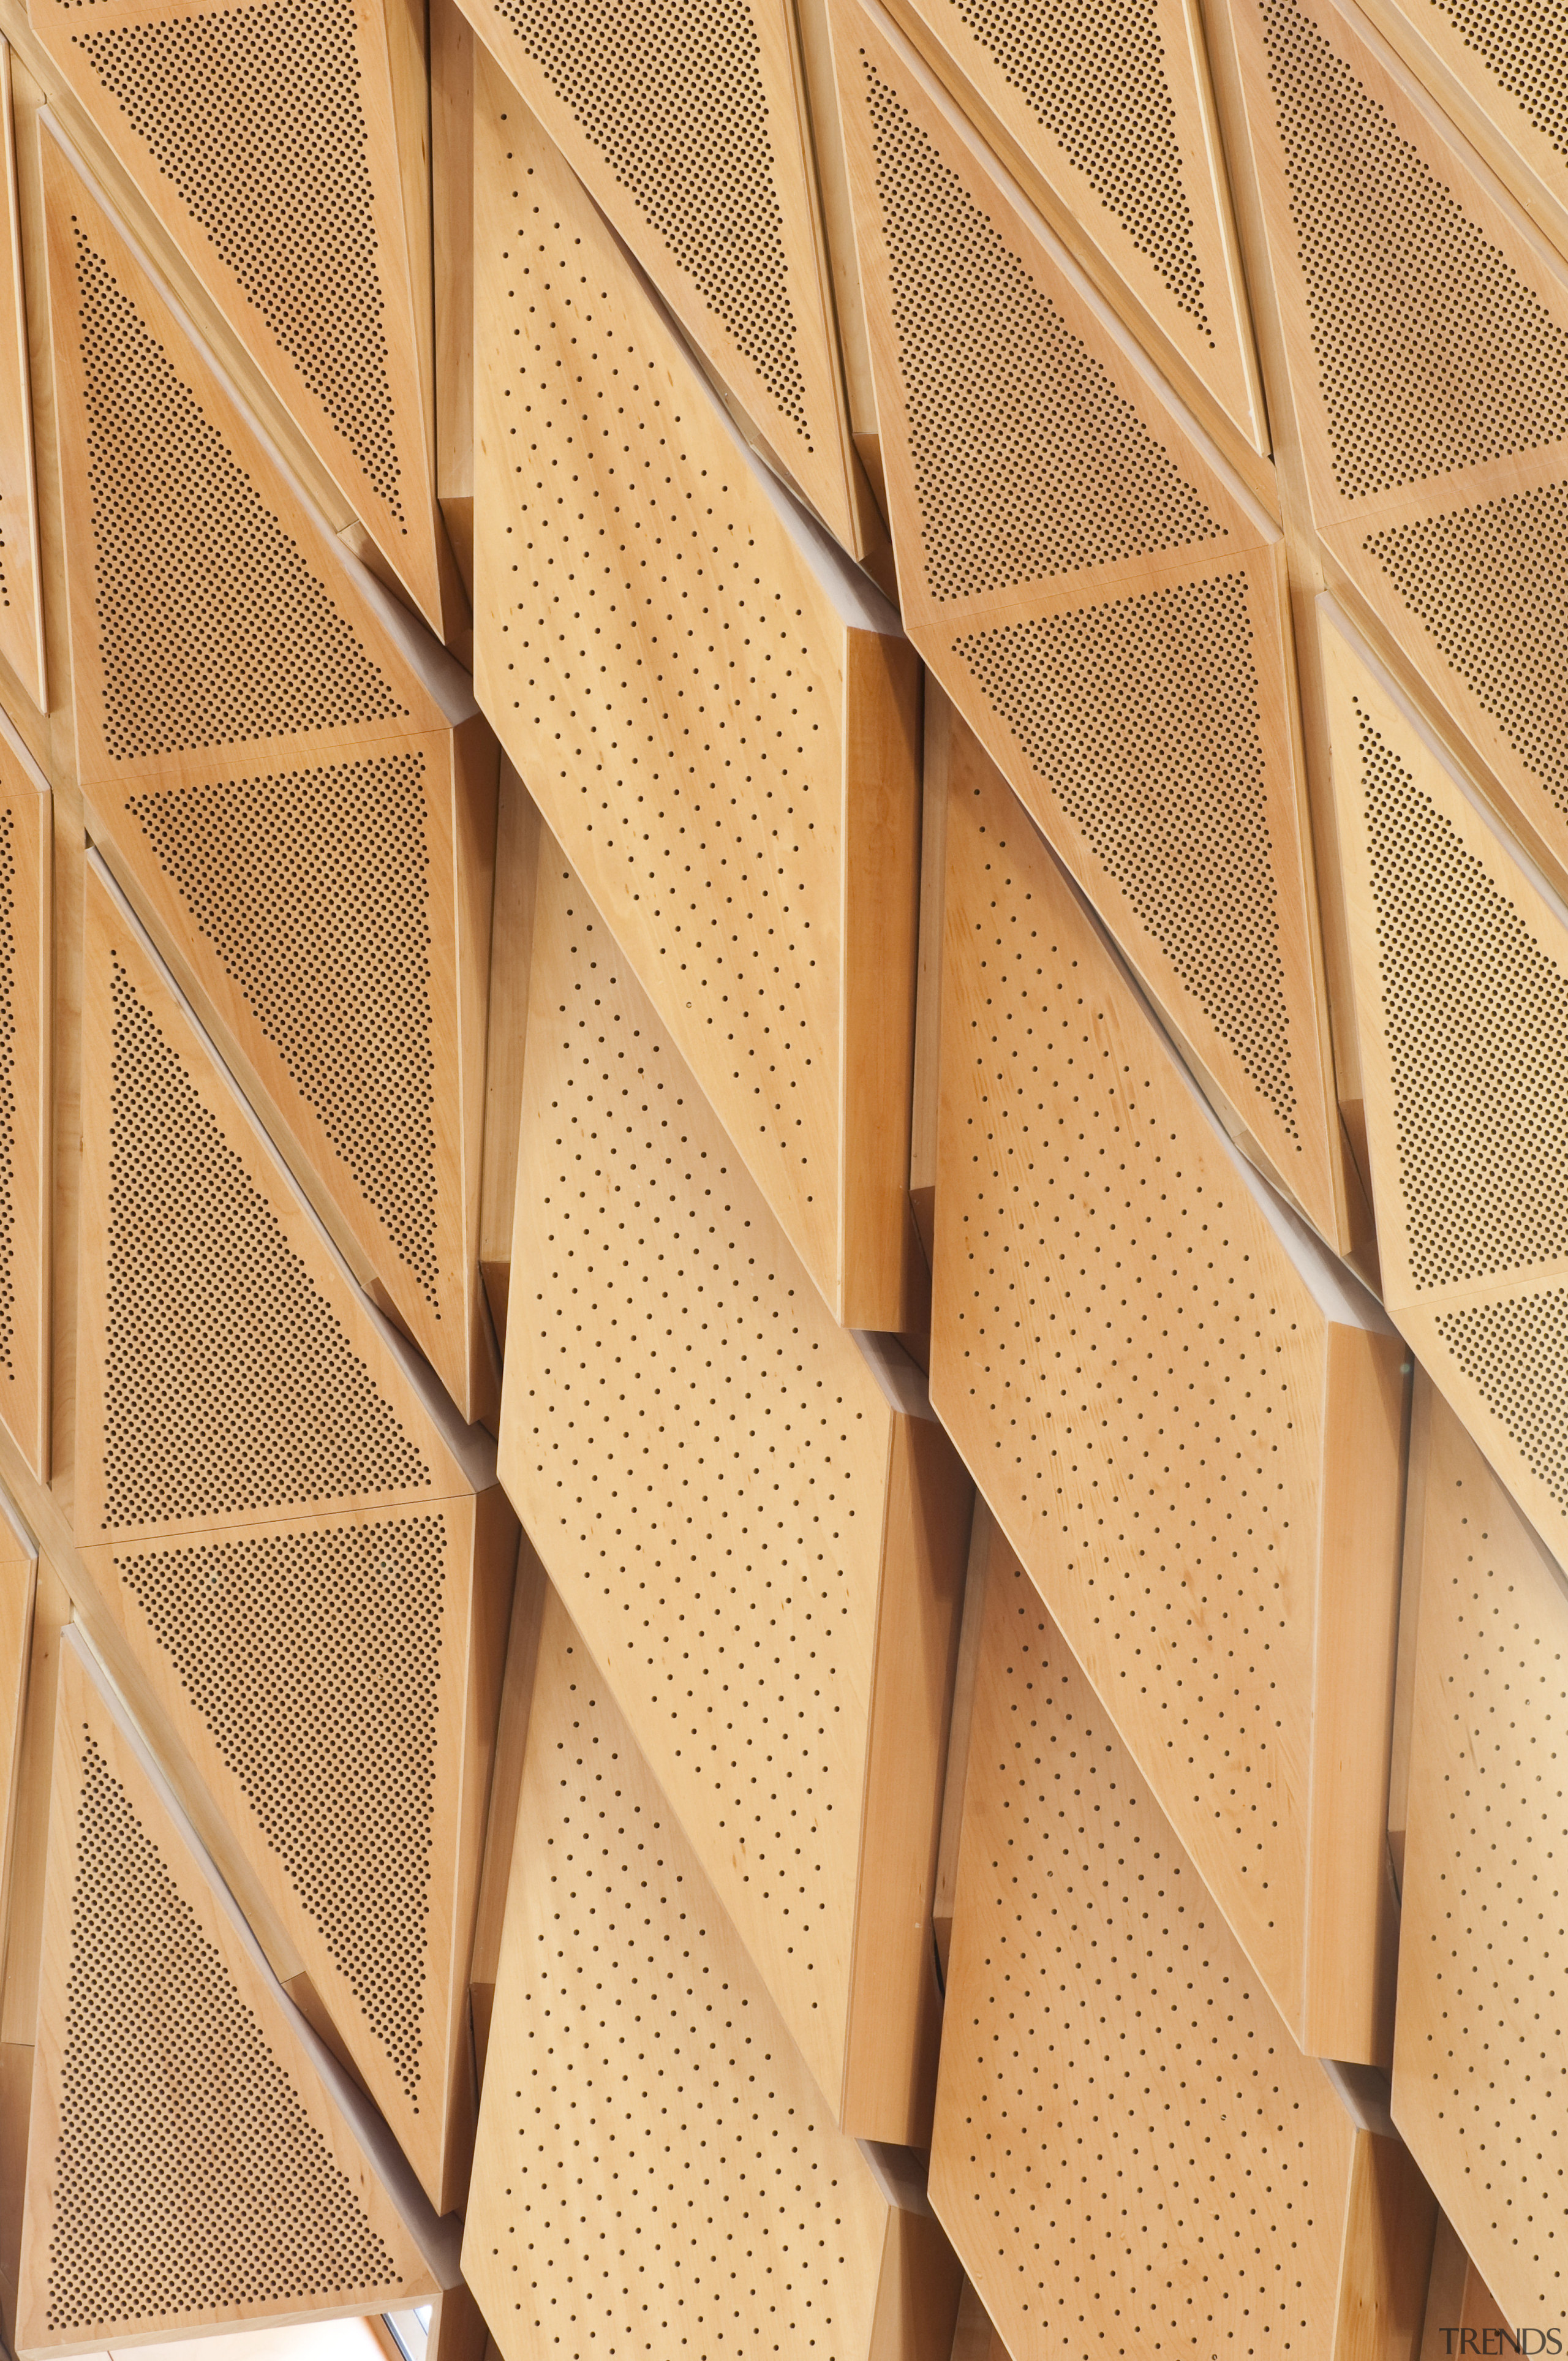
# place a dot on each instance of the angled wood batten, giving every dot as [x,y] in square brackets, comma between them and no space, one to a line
[308,1561]
[641,2084]
[290,779]
[1102,601]
[717,717]
[1184,1414]
[284,148]
[763,1553]
[194,2162]
[26,863]
[21,573]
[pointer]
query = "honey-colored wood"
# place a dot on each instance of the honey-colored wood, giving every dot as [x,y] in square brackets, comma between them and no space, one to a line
[1391,2220]
[25,997]
[983,1539]
[938,756]
[506,1785]
[512,946]
[974,2338]
[1186,1418]
[742,798]
[176,2099]
[21,569]
[29,1841]
[1094,588]
[452,185]
[334,224]
[1459,2299]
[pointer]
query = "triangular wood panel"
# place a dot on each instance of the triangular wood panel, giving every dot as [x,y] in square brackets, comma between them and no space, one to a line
[189,2165]
[21,584]
[26,852]
[277,149]
[1099,598]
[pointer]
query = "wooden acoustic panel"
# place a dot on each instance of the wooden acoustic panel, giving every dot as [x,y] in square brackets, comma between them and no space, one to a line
[284,149]
[192,2163]
[1480,2057]
[21,576]
[1100,599]
[18,1588]
[764,1555]
[1109,122]
[299,793]
[1131,2154]
[26,861]
[1422,349]
[717,716]
[1186,1417]
[687,125]
[655,2171]
[1461,964]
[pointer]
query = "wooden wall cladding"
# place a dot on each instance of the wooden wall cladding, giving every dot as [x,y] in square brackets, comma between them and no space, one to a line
[1461,981]
[18,1586]
[26,849]
[689,131]
[1185,1416]
[191,2164]
[1110,125]
[284,149]
[21,580]
[1421,374]
[765,1556]
[302,799]
[1100,598]
[715,714]
[310,1567]
[1480,2057]
[1130,2150]
[655,2170]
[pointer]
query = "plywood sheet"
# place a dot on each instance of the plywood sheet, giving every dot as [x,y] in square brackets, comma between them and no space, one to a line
[27,866]
[21,573]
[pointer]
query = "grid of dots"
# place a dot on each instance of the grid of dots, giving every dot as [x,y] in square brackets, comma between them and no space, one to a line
[1475,1016]
[313,888]
[1004,400]
[188,2175]
[694,150]
[1142,720]
[229,1384]
[314,1660]
[700,1455]
[7,1090]
[1486,583]
[686,741]
[214,629]
[1151,2166]
[256,115]
[1098,84]
[1525,42]
[1433,353]
[1514,1352]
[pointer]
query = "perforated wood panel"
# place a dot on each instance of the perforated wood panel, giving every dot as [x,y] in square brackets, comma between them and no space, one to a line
[281,150]
[744,1530]
[1424,338]
[26,864]
[279,786]
[718,720]
[1460,988]
[1479,2056]
[1130,2151]
[1101,601]
[1183,1414]
[653,2162]
[188,2166]
[21,588]
[688,128]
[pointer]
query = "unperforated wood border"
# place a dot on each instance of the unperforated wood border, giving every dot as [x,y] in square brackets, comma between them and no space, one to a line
[21,610]
[25,1386]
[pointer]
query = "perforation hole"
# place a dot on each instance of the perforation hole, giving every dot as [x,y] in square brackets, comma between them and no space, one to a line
[1514,1352]
[1522,41]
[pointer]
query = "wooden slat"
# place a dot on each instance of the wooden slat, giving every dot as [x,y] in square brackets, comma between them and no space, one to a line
[26,829]
[21,569]
[511,948]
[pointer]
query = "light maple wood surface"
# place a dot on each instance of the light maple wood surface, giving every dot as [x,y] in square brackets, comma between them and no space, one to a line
[21,569]
[26,941]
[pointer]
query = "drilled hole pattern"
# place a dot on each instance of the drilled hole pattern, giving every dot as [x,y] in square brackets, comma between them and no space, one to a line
[690,737]
[1101,88]
[230,1383]
[1132,2153]
[1523,43]
[1028,460]
[256,115]
[8,922]
[213,627]
[1515,1352]
[660,2174]
[313,888]
[187,2173]
[1433,353]
[1142,718]
[673,98]
[702,1455]
[314,1660]
[1475,1010]
[1486,583]
[1131,1368]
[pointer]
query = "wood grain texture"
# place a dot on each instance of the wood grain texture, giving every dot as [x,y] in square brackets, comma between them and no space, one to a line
[511,950]
[21,565]
[1184,1417]
[27,992]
